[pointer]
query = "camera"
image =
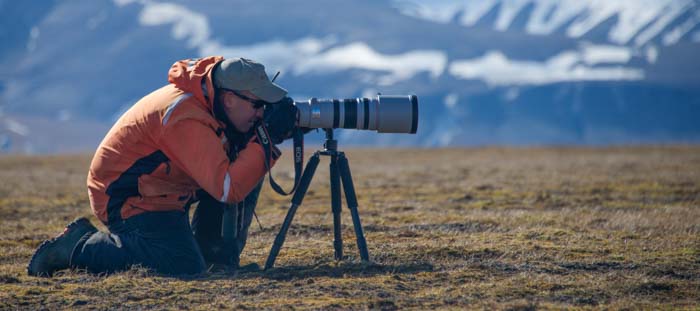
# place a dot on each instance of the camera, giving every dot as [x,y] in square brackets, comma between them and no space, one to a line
[383,113]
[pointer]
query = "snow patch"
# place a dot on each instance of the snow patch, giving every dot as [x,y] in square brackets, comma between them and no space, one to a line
[667,15]
[16,127]
[473,11]
[509,10]
[605,54]
[360,55]
[652,54]
[675,35]
[496,69]
[276,54]
[548,16]
[632,16]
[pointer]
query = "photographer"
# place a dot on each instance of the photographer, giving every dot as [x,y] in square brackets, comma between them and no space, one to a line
[191,140]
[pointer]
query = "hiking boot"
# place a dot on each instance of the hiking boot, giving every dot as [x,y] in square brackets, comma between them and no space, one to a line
[53,255]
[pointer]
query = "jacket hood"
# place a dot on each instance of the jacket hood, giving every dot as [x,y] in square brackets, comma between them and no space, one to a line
[195,76]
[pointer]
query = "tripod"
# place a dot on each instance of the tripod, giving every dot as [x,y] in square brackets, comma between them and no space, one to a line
[340,170]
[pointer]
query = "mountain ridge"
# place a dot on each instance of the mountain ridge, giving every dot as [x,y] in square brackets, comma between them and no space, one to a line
[79,61]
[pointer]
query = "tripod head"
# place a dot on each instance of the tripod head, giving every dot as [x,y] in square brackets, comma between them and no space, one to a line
[330,145]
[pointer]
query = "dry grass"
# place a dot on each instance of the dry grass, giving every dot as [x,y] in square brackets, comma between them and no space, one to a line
[502,228]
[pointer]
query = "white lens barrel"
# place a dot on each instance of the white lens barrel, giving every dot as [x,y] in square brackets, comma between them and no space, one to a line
[384,114]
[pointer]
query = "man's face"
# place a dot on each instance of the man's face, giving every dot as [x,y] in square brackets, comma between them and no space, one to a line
[239,111]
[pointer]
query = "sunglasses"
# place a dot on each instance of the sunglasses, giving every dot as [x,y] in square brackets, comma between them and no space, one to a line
[257,103]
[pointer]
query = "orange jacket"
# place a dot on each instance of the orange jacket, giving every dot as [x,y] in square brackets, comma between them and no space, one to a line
[167,146]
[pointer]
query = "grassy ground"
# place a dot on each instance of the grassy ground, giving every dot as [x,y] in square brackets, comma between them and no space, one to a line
[478,228]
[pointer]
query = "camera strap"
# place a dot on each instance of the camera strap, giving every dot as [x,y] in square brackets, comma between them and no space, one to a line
[298,138]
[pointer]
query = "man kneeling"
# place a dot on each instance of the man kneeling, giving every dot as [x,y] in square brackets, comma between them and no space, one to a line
[191,140]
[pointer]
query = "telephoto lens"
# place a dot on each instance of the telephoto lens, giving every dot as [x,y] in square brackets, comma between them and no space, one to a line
[384,113]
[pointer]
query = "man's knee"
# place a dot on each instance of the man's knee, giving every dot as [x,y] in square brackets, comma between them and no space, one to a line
[103,252]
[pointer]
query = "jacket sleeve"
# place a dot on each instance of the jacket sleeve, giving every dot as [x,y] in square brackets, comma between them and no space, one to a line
[195,147]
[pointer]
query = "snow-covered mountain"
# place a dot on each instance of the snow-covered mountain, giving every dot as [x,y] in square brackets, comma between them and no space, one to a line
[631,22]
[486,71]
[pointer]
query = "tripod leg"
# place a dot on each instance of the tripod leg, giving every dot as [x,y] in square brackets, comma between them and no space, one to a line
[336,207]
[296,201]
[352,204]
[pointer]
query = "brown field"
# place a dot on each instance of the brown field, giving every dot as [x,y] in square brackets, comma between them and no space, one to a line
[493,228]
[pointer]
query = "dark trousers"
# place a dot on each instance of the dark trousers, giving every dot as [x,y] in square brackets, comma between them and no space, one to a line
[163,241]
[208,231]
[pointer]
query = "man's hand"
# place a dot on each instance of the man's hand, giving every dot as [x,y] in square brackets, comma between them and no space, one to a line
[280,119]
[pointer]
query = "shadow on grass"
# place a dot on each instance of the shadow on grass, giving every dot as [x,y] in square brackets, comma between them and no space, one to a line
[323,270]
